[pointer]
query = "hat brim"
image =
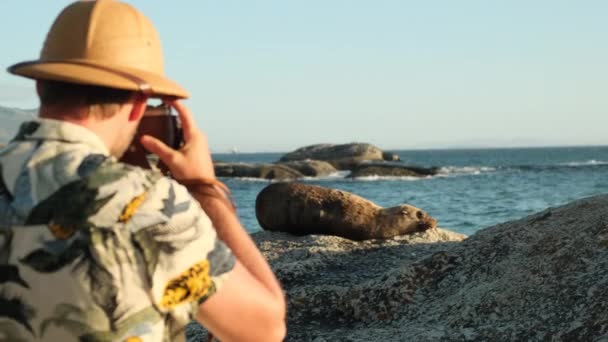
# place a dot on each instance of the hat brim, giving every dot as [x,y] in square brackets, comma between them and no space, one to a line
[104,75]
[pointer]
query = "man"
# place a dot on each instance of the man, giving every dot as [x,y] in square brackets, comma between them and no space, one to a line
[92,249]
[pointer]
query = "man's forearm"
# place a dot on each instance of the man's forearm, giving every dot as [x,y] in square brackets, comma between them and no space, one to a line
[230,231]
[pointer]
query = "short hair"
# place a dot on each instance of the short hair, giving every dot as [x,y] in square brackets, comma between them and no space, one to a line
[101,102]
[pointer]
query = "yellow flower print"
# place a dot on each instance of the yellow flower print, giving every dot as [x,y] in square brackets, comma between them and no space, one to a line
[189,286]
[133,339]
[131,207]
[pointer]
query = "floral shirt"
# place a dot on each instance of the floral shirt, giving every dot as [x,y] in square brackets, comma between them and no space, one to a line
[96,250]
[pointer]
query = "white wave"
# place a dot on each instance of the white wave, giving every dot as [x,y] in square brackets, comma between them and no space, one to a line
[465,170]
[389,178]
[590,162]
[331,177]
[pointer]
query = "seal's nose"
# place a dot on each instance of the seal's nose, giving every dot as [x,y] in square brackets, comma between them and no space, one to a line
[425,222]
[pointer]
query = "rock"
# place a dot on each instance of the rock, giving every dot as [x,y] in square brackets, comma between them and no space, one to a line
[308,209]
[311,168]
[236,170]
[263,171]
[393,170]
[390,156]
[346,164]
[540,278]
[337,155]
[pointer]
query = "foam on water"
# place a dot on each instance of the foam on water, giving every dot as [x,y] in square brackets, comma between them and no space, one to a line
[329,178]
[389,178]
[591,162]
[465,170]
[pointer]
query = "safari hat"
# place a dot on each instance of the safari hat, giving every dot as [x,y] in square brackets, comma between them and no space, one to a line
[103,43]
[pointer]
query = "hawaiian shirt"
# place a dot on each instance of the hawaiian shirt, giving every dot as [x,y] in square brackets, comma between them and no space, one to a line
[92,249]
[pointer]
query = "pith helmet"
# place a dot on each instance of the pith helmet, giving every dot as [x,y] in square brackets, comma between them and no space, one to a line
[105,43]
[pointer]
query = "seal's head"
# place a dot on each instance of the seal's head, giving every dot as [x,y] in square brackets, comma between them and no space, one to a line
[409,219]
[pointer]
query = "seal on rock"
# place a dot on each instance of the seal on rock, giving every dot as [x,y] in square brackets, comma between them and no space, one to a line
[302,209]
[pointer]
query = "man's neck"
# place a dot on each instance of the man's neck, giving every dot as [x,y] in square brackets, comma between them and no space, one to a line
[103,128]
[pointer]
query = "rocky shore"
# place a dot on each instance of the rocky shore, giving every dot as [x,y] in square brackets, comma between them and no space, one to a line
[321,160]
[540,278]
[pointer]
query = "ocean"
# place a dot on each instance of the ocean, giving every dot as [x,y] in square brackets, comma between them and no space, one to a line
[476,188]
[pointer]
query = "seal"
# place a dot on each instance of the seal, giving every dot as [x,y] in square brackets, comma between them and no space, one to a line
[303,209]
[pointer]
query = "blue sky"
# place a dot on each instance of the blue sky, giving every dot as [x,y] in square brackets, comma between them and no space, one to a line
[271,75]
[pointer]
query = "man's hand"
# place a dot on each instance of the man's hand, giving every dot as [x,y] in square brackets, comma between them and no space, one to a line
[191,161]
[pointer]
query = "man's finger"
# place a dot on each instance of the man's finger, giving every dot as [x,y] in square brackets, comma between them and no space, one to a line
[153,145]
[185,116]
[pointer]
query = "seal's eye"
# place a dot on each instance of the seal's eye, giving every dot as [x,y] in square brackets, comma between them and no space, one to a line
[404,212]
[419,215]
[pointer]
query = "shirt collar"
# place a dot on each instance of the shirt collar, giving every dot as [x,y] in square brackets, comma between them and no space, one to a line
[50,129]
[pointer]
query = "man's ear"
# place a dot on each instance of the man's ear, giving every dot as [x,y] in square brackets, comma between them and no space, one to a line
[138,109]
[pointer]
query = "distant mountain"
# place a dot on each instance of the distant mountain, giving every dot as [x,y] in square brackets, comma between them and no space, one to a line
[11,119]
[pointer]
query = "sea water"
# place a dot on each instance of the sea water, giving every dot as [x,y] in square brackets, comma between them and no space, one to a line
[475,188]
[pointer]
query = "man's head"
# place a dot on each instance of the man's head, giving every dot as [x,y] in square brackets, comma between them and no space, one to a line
[98,102]
[113,114]
[100,62]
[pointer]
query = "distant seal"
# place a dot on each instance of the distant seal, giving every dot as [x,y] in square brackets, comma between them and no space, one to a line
[307,209]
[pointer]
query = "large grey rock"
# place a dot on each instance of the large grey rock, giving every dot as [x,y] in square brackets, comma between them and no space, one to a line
[541,278]
[311,168]
[330,262]
[340,156]
[346,164]
[392,169]
[263,171]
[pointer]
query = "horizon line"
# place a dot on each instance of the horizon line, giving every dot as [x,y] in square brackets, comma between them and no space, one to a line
[441,148]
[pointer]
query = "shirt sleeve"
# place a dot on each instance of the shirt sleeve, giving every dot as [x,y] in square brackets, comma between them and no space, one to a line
[185,261]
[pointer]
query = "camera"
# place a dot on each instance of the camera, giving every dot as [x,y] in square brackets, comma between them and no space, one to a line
[161,123]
